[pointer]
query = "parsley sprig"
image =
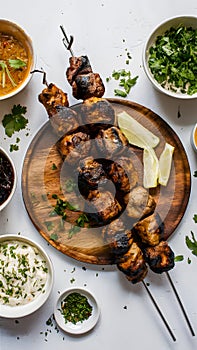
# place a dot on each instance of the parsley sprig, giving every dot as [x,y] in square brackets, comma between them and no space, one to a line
[15,121]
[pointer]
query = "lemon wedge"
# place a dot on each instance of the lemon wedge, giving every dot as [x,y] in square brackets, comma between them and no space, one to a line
[165,162]
[136,133]
[151,168]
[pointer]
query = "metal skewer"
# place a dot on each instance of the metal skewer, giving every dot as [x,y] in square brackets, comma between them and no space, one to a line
[159,311]
[67,43]
[180,303]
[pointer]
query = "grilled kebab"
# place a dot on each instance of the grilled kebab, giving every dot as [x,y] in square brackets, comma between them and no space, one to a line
[135,246]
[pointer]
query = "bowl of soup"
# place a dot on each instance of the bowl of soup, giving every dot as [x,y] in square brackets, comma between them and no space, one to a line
[17,59]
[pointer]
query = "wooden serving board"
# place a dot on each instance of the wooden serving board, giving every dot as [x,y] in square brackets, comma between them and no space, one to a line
[44,174]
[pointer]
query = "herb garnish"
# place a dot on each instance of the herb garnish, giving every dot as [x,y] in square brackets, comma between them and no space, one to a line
[13,63]
[76,308]
[125,81]
[173,60]
[192,243]
[15,121]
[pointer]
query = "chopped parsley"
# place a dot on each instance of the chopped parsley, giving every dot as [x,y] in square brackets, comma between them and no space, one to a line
[126,82]
[76,308]
[173,60]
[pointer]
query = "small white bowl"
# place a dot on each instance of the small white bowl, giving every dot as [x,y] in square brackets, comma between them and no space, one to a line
[8,311]
[79,327]
[6,155]
[13,29]
[175,22]
[194,138]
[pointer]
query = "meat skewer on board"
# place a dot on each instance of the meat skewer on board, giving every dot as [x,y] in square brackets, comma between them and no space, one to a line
[146,250]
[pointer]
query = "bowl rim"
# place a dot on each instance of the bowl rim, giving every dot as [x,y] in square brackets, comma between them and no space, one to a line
[8,311]
[5,203]
[33,60]
[86,325]
[148,42]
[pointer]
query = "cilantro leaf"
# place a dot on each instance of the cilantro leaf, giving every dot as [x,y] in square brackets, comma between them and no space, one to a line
[15,121]
[179,258]
[16,64]
[191,243]
[195,218]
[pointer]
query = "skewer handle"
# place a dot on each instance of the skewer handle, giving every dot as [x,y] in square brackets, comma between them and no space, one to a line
[159,311]
[67,43]
[180,303]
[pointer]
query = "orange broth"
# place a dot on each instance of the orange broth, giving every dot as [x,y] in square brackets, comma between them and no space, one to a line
[12,48]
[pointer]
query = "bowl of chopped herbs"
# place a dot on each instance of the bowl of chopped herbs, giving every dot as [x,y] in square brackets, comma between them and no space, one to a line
[17,58]
[8,178]
[170,57]
[76,311]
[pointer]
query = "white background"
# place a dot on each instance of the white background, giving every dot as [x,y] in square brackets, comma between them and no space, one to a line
[103,30]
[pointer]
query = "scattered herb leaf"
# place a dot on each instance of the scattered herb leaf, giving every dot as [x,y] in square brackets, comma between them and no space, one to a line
[191,243]
[179,258]
[195,218]
[54,237]
[15,121]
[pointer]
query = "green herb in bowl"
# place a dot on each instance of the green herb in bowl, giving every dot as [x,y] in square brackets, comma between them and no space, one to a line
[76,308]
[173,60]
[170,57]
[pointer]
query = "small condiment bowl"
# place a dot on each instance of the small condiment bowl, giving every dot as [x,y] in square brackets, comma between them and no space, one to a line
[173,22]
[5,156]
[194,138]
[79,327]
[12,29]
[27,308]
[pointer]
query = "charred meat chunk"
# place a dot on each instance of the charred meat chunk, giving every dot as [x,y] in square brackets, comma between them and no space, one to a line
[78,65]
[134,265]
[110,141]
[84,82]
[51,97]
[97,110]
[103,206]
[74,147]
[91,173]
[65,120]
[118,237]
[160,258]
[150,229]
[87,85]
[140,203]
[123,174]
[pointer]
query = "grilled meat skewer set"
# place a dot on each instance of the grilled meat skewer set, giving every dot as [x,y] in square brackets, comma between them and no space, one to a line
[129,223]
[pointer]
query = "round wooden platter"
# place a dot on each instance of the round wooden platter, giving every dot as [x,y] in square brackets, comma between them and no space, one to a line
[44,172]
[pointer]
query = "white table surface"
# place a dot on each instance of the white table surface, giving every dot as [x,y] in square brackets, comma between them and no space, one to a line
[104,30]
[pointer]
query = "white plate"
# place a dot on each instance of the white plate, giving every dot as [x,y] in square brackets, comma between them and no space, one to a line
[24,310]
[79,327]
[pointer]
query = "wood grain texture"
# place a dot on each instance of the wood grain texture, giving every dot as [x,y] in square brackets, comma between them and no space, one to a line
[40,180]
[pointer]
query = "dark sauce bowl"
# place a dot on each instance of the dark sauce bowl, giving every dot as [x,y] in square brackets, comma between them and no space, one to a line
[7,179]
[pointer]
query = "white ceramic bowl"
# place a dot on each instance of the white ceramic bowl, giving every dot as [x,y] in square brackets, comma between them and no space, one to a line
[79,327]
[13,29]
[6,155]
[21,310]
[175,22]
[194,137]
